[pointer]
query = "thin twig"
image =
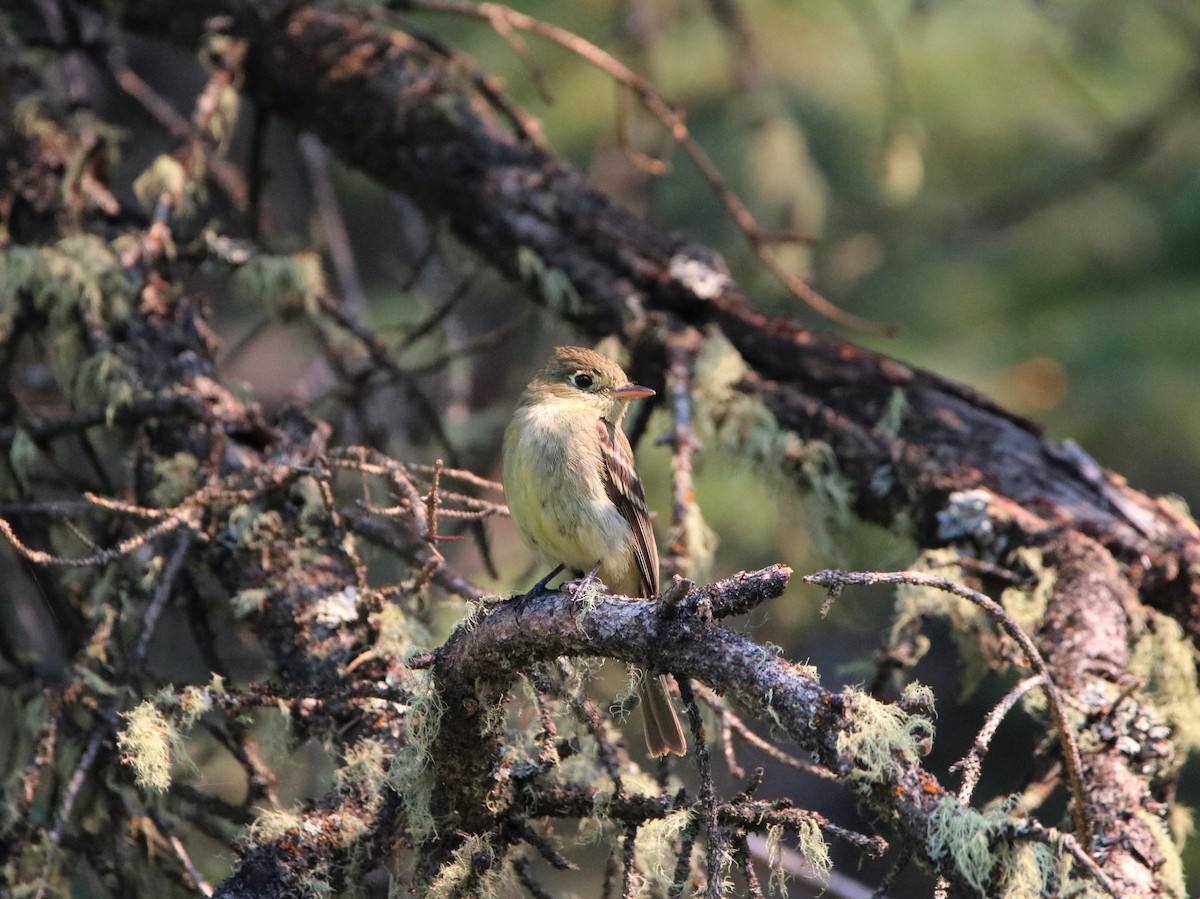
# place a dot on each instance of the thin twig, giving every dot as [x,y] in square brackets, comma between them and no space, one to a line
[382,357]
[838,886]
[628,861]
[741,851]
[611,757]
[333,224]
[708,800]
[158,602]
[672,117]
[198,882]
[521,867]
[734,722]
[835,581]
[101,731]
[1032,829]
[438,315]
[972,764]
[682,347]
[525,126]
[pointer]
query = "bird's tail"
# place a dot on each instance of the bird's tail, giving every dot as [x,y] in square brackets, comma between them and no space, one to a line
[663,733]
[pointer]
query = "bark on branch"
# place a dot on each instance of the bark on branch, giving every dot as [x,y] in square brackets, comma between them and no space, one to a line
[478,664]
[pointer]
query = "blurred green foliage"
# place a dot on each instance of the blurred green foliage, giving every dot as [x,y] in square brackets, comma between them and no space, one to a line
[1014,184]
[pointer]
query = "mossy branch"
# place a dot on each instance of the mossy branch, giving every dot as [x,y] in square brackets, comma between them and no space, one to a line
[869,744]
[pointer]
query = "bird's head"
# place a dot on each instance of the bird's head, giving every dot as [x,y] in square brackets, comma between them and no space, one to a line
[585,379]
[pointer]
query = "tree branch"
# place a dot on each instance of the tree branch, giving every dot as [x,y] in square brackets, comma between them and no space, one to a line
[479,663]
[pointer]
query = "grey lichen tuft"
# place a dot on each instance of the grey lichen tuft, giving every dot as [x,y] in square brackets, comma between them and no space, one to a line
[285,286]
[364,771]
[411,775]
[655,848]
[883,740]
[963,835]
[147,743]
[458,876]
[970,627]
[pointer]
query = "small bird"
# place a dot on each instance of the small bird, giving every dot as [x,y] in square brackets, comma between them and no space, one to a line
[575,496]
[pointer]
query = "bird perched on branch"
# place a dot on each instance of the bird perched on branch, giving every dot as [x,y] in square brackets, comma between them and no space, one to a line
[575,496]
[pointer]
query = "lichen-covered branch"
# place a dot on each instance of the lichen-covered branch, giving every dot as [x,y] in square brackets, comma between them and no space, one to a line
[141,484]
[870,745]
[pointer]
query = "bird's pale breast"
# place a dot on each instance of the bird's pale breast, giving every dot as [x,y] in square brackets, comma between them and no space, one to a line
[557,497]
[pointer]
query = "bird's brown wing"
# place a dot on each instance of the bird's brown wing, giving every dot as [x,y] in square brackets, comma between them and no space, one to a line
[624,488]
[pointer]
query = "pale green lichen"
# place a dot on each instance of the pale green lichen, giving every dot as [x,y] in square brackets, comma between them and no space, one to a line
[963,835]
[285,286]
[34,873]
[194,702]
[24,457]
[104,379]
[812,845]
[215,51]
[1166,660]
[398,634]
[473,613]
[727,417]
[78,279]
[164,177]
[84,275]
[250,601]
[1170,874]
[655,846]
[585,601]
[811,672]
[970,628]
[250,527]
[364,770]
[551,283]
[1027,604]
[457,875]
[147,743]
[883,738]
[271,824]
[1029,870]
[308,499]
[777,882]
[176,478]
[918,694]
[411,775]
[892,418]
[621,703]
[1181,823]
[819,464]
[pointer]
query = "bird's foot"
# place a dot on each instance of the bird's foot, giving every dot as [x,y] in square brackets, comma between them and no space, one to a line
[581,587]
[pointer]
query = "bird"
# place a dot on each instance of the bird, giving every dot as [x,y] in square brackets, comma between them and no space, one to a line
[576,499]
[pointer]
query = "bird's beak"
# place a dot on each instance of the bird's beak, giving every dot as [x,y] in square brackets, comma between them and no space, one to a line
[630,392]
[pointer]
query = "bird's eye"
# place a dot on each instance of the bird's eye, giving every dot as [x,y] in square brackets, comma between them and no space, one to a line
[582,381]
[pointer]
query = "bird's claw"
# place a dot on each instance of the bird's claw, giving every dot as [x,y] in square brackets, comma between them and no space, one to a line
[580,586]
